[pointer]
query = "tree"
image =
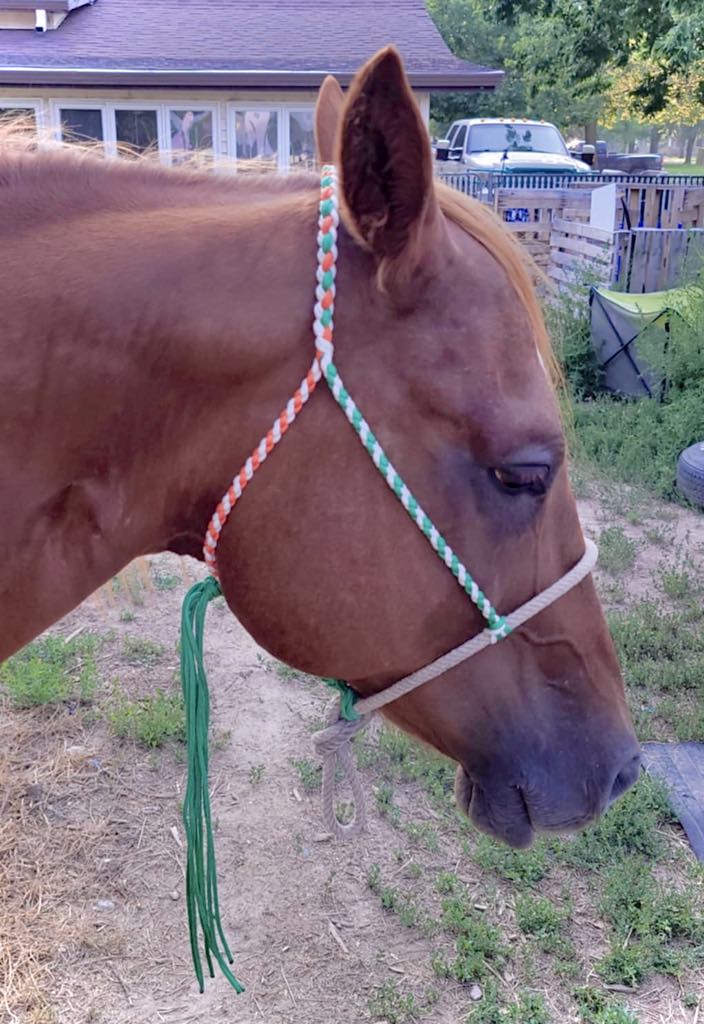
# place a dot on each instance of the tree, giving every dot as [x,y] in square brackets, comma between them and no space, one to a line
[536,52]
[666,37]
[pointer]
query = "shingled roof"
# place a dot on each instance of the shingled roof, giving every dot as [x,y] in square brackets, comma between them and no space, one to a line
[270,43]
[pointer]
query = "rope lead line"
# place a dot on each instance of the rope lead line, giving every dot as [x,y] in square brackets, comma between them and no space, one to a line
[201,872]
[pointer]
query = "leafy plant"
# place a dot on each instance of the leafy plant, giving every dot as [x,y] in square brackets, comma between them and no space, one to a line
[152,720]
[50,671]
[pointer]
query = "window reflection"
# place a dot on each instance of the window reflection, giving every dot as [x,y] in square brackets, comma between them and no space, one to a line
[136,132]
[191,136]
[256,140]
[81,125]
[302,140]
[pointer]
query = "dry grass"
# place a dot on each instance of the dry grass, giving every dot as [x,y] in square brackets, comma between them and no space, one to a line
[43,860]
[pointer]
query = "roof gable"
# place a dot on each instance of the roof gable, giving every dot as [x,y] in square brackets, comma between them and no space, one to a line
[271,37]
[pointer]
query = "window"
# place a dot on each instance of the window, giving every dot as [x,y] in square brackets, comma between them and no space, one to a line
[301,140]
[495,138]
[136,132]
[191,135]
[81,124]
[458,141]
[257,140]
[24,115]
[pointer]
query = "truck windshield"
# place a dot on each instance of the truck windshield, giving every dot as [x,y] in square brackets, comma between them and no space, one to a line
[495,138]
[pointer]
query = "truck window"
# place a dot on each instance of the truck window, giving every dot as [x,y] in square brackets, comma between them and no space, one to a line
[458,141]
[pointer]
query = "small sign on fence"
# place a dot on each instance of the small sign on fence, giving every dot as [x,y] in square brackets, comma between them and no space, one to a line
[602,213]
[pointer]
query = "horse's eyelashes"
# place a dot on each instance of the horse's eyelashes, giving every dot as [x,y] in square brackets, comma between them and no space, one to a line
[521,479]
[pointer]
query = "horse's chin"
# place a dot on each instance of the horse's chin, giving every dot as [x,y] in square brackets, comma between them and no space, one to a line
[503,817]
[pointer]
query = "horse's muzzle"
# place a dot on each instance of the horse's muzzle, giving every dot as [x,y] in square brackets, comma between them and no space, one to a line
[514,812]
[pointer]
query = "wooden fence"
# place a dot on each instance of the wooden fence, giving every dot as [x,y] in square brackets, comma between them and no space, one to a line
[656,239]
[640,260]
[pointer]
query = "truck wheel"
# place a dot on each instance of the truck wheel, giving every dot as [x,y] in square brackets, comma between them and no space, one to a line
[690,473]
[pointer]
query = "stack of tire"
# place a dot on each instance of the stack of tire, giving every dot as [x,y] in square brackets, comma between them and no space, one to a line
[690,473]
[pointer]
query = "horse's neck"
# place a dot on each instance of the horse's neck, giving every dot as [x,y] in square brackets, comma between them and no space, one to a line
[131,344]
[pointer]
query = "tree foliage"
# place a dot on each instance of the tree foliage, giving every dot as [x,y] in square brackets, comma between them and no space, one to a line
[536,54]
[660,39]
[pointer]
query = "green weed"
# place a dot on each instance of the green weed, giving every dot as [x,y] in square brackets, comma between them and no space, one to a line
[478,943]
[595,1008]
[388,1004]
[421,833]
[656,928]
[310,774]
[632,826]
[51,671]
[385,803]
[165,580]
[140,651]
[256,774]
[405,759]
[525,867]
[679,585]
[617,552]
[152,720]
[540,918]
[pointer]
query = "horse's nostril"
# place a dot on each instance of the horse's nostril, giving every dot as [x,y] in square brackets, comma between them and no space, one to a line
[626,777]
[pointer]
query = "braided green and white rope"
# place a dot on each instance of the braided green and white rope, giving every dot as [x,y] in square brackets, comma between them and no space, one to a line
[322,328]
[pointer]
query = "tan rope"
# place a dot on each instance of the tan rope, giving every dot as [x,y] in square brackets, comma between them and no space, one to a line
[333,743]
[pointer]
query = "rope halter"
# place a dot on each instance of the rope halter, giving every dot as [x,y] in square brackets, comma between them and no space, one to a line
[333,742]
[349,713]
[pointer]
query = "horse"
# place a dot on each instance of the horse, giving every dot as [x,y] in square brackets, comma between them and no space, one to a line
[153,323]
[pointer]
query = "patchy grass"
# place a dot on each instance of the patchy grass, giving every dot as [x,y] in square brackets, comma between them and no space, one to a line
[662,657]
[617,552]
[165,581]
[389,1004]
[51,671]
[540,918]
[479,945]
[140,651]
[524,867]
[153,720]
[310,773]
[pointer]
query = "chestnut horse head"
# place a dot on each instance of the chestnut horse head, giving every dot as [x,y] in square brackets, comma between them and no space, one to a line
[155,322]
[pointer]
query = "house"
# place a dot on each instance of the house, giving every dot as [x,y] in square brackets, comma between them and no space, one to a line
[207,80]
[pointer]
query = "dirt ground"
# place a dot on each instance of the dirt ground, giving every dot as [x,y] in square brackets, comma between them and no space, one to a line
[93,926]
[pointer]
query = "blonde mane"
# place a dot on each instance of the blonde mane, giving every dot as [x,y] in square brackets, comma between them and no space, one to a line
[483,225]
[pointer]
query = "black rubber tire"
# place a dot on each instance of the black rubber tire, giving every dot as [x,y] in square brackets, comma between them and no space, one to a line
[690,473]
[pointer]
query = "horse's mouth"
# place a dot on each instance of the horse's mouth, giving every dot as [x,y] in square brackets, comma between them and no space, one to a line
[506,818]
[503,813]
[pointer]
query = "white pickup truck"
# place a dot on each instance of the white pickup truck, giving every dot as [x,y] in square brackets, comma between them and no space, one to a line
[509,145]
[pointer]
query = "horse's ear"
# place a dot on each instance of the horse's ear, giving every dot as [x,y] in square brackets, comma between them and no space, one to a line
[386,167]
[328,111]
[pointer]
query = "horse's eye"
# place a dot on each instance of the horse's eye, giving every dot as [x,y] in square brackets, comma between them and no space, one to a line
[521,479]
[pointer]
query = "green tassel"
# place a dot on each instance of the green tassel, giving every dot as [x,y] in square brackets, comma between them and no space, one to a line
[348,699]
[201,872]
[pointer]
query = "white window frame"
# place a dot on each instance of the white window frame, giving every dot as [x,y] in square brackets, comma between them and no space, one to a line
[56,106]
[283,114]
[162,134]
[13,102]
[197,106]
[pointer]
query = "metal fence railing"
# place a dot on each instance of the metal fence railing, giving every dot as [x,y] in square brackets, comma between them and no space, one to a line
[483,185]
